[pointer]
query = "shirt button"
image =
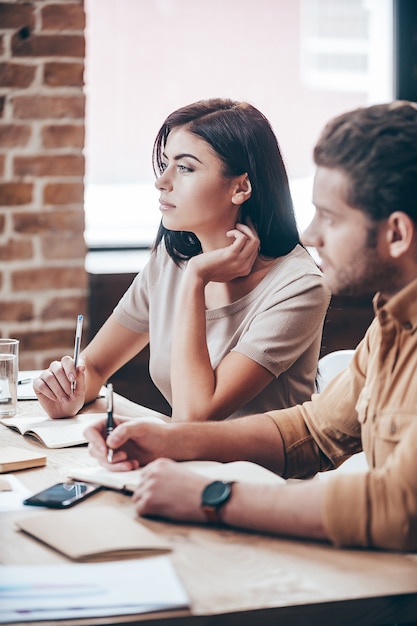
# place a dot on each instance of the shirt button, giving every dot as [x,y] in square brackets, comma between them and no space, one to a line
[408,325]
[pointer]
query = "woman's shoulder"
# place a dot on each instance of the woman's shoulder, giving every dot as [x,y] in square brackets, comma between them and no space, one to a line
[294,274]
[161,261]
[296,264]
[159,268]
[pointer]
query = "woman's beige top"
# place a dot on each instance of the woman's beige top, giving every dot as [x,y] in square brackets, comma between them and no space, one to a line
[278,324]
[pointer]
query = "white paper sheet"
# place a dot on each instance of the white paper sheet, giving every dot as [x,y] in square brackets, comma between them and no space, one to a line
[25,390]
[50,592]
[13,500]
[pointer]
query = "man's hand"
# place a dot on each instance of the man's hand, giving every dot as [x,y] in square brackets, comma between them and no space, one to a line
[134,442]
[167,489]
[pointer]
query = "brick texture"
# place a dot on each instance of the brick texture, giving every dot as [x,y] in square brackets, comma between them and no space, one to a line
[45,222]
[16,75]
[15,193]
[56,278]
[19,311]
[43,282]
[63,193]
[63,136]
[16,249]
[64,74]
[13,15]
[48,107]
[63,17]
[35,46]
[49,165]
[14,135]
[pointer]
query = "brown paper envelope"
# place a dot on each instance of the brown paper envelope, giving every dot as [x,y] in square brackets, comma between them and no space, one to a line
[88,533]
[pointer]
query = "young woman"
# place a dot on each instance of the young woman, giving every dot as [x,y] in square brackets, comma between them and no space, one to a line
[231,304]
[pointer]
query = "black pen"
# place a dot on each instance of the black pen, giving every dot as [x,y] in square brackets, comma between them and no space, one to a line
[110,422]
[24,381]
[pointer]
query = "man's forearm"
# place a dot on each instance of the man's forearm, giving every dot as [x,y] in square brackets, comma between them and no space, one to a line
[254,438]
[290,510]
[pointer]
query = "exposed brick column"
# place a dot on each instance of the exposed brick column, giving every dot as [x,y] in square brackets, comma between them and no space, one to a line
[43,283]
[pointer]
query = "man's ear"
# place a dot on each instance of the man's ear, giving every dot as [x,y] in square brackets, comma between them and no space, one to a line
[243,190]
[400,233]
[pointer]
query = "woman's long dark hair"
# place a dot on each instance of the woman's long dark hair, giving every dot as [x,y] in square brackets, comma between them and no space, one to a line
[244,141]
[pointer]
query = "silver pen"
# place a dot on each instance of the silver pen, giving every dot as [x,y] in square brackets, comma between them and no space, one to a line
[77,345]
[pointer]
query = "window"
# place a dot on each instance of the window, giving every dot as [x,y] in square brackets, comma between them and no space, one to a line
[343,47]
[299,61]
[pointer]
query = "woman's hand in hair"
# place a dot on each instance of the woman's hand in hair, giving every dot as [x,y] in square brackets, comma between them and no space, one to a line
[233,261]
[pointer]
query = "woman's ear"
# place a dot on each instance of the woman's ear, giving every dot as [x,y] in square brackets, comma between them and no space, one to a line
[242,190]
[401,232]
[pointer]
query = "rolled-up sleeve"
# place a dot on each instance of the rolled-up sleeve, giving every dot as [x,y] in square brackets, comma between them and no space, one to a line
[377,507]
[320,434]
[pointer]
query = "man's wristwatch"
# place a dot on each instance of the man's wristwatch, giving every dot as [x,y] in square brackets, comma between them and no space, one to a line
[214,496]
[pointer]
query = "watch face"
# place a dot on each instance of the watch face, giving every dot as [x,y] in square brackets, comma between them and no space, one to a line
[216,493]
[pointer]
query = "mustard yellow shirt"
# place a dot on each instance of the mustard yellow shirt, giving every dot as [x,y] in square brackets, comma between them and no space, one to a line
[372,405]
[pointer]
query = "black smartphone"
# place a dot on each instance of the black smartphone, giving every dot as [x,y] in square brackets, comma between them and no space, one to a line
[63,495]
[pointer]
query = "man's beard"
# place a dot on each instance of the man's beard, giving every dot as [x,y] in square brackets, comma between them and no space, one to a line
[368,273]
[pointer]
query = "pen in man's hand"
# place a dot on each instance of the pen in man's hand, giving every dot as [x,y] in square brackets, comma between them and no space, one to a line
[110,422]
[77,344]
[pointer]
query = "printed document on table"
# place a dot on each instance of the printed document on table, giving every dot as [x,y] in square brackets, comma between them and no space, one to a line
[12,496]
[55,592]
[25,387]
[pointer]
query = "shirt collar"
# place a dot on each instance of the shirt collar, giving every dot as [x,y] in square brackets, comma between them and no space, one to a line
[402,306]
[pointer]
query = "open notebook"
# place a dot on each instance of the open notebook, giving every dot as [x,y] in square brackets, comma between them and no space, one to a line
[244,471]
[59,433]
[53,433]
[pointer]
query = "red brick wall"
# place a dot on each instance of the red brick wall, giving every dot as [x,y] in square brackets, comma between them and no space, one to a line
[43,283]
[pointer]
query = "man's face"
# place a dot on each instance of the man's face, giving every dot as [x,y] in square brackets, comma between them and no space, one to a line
[354,257]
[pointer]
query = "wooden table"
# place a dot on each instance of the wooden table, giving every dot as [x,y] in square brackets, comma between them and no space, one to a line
[235,578]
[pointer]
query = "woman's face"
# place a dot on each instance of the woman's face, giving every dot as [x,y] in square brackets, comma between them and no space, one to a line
[195,195]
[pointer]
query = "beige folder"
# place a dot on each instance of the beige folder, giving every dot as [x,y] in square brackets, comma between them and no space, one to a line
[99,533]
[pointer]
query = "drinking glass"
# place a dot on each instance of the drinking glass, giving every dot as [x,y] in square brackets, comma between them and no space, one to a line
[9,368]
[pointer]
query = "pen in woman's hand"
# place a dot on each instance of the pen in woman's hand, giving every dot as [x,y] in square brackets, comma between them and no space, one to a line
[110,422]
[77,344]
